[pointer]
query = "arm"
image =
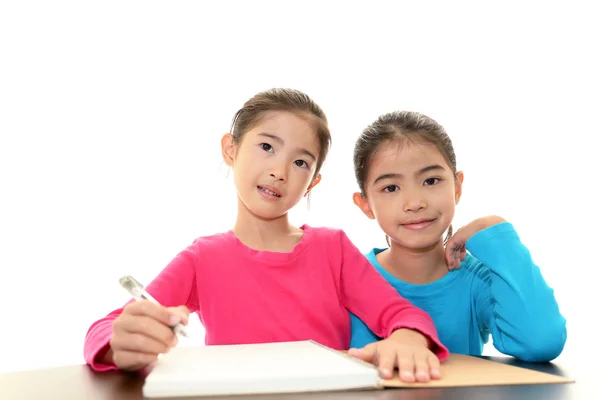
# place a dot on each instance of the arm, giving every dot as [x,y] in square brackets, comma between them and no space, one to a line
[174,286]
[514,302]
[361,334]
[371,298]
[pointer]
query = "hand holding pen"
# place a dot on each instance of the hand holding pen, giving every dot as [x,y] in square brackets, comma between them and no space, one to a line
[144,329]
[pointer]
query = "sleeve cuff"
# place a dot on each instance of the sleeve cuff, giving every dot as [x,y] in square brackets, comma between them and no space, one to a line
[96,343]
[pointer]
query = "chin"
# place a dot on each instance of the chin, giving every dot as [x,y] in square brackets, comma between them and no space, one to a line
[418,244]
[266,215]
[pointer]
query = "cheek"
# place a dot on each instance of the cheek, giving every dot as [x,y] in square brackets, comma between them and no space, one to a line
[241,166]
[384,208]
[443,200]
[301,175]
[248,152]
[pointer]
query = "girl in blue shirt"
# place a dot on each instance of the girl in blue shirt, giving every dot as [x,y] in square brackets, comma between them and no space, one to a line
[481,281]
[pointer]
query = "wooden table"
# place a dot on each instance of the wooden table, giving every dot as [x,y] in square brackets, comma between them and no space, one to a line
[80,382]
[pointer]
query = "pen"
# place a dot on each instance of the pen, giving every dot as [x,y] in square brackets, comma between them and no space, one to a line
[137,291]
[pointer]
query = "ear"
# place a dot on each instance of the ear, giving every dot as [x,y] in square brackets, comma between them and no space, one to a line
[314,183]
[363,204]
[458,182]
[228,148]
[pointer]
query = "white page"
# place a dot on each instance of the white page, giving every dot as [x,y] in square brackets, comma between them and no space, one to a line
[257,368]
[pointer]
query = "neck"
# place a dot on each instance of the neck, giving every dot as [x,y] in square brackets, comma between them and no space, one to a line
[265,234]
[416,266]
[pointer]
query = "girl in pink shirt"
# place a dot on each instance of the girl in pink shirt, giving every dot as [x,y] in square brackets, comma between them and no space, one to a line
[266,280]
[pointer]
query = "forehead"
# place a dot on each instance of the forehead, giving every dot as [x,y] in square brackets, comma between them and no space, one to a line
[405,157]
[296,130]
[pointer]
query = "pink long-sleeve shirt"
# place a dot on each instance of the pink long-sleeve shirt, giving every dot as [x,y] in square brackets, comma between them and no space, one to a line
[243,295]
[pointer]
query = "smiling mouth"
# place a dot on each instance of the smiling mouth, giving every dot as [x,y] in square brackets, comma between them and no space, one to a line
[417,225]
[422,221]
[262,189]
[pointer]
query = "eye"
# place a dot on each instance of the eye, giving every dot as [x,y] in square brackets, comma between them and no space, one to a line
[391,188]
[431,181]
[301,163]
[266,147]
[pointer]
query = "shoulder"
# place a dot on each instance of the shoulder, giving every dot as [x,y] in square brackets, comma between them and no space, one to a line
[324,234]
[324,231]
[217,241]
[215,238]
[474,268]
[372,254]
[330,240]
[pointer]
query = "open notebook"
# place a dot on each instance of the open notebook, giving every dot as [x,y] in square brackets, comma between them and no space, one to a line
[303,366]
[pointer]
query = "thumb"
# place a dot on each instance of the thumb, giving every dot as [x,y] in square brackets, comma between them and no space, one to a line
[182,312]
[367,353]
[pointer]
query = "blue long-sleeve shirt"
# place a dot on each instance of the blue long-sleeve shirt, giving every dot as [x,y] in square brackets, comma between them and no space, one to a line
[497,290]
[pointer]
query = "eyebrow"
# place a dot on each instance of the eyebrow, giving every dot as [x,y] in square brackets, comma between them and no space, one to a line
[428,168]
[280,141]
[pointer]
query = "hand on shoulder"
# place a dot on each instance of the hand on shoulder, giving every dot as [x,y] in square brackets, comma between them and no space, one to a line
[456,250]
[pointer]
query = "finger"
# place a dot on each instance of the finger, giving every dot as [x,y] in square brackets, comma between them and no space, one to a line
[387,362]
[463,253]
[182,311]
[435,370]
[453,244]
[146,326]
[448,251]
[158,312]
[456,264]
[450,256]
[137,342]
[422,372]
[132,361]
[456,252]
[367,353]
[406,368]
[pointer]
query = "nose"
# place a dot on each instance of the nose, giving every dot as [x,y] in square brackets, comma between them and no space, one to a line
[414,202]
[279,172]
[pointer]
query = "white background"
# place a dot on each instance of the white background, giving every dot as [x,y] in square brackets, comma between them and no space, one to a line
[111,115]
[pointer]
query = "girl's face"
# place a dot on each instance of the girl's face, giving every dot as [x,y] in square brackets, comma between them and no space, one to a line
[275,163]
[411,191]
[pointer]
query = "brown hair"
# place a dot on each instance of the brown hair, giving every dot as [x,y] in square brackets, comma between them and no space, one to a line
[281,99]
[400,126]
